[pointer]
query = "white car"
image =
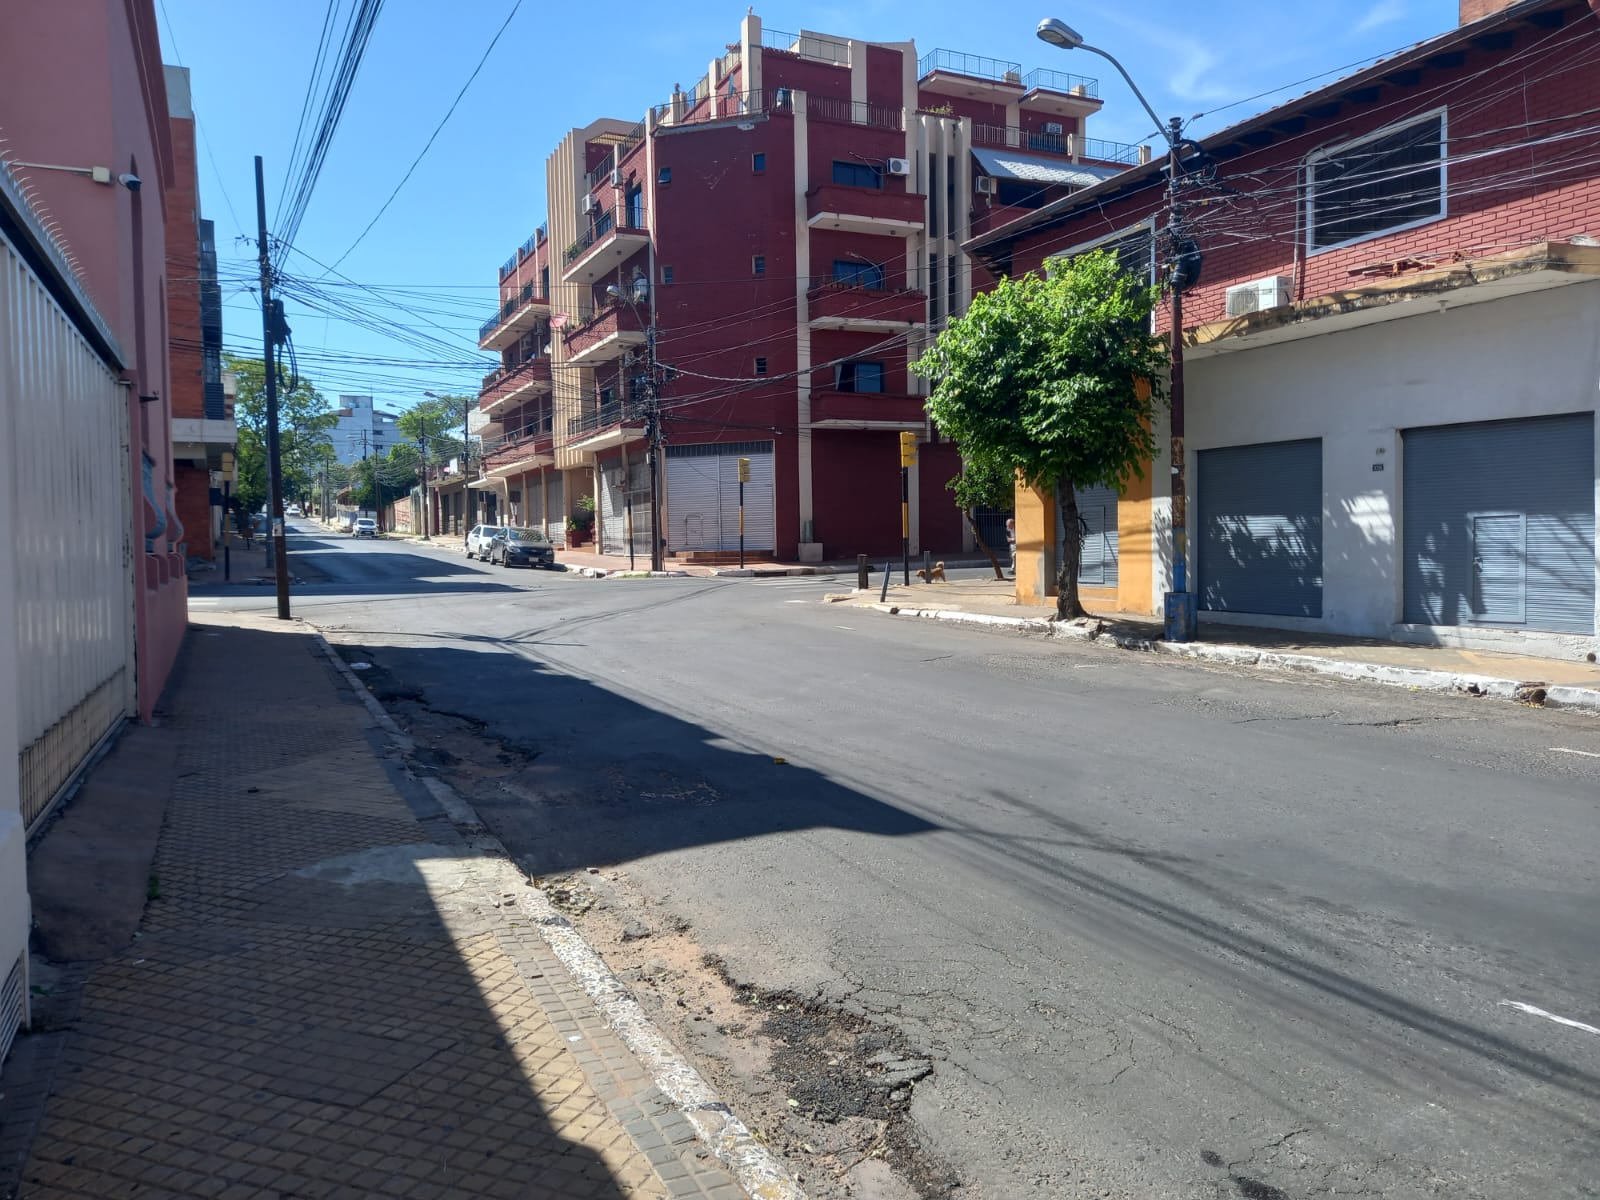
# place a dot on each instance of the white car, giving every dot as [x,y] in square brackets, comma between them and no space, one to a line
[478,541]
[365,527]
[293,511]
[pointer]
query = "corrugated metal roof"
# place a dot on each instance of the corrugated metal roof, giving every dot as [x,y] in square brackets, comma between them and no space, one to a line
[1008,164]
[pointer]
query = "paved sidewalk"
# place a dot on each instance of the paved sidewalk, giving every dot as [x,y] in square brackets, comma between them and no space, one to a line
[1569,683]
[331,994]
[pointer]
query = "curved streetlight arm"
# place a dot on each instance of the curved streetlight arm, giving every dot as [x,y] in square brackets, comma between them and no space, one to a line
[1161,125]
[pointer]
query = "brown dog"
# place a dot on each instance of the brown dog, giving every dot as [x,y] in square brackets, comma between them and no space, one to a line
[937,573]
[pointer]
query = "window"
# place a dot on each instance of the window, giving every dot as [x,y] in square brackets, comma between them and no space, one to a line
[664,175]
[636,208]
[858,377]
[666,274]
[761,366]
[758,265]
[857,174]
[857,274]
[1391,180]
[758,163]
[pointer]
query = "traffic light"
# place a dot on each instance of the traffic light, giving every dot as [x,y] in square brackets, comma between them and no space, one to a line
[908,448]
[744,470]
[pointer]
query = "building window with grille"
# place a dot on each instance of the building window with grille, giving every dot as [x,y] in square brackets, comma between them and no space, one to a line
[666,274]
[1387,181]
[854,174]
[761,366]
[758,265]
[758,163]
[857,376]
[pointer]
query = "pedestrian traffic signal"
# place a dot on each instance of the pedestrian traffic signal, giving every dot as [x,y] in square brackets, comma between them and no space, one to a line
[744,470]
[908,449]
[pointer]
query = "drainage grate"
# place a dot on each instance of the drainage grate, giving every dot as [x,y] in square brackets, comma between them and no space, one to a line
[10,1008]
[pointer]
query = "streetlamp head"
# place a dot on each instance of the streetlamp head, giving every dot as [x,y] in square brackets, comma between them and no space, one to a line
[1058,33]
[613,291]
[430,395]
[641,289]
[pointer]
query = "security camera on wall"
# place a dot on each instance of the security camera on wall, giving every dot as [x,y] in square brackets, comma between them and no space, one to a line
[131,182]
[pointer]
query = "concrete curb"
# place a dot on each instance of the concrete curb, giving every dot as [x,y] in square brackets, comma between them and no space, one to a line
[1561,696]
[756,1169]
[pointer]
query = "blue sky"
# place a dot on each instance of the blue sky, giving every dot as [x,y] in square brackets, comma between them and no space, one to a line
[480,189]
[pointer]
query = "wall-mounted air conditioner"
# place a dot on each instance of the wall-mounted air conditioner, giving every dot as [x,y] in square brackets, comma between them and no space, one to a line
[1054,127]
[616,177]
[588,205]
[985,185]
[1258,294]
[899,166]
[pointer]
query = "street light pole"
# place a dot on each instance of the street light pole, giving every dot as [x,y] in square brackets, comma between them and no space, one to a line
[637,293]
[270,327]
[422,440]
[1180,602]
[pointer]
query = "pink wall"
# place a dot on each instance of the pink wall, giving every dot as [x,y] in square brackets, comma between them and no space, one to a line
[110,109]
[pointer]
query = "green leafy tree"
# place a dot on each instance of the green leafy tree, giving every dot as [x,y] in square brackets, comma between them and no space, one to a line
[984,483]
[1055,379]
[439,418]
[304,422]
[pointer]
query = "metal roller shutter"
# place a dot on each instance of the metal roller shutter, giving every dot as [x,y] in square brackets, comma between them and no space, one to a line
[1259,529]
[533,504]
[703,497]
[1499,524]
[1097,509]
[617,489]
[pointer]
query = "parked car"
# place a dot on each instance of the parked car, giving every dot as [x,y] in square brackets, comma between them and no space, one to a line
[293,511]
[513,547]
[478,540]
[365,527]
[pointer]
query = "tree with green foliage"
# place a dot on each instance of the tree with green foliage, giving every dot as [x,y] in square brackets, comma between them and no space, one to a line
[984,483]
[1055,379]
[439,418]
[304,421]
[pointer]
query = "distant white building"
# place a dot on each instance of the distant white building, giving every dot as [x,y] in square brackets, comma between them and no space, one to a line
[362,430]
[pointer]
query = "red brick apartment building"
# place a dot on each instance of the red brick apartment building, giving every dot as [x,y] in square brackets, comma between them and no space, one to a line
[790,227]
[1391,352]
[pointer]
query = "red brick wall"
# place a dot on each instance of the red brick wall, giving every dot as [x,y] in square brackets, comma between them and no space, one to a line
[191,488]
[183,277]
[1521,171]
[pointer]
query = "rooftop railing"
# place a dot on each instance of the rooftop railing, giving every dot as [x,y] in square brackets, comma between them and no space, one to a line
[976,65]
[1118,152]
[855,112]
[508,266]
[815,48]
[1060,81]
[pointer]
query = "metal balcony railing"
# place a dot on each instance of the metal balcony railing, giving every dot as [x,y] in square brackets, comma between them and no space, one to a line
[1049,143]
[1060,81]
[1119,152]
[855,112]
[961,63]
[597,176]
[542,232]
[526,296]
[816,49]
[529,431]
[602,416]
[996,136]
[508,266]
[529,246]
[730,106]
[603,225]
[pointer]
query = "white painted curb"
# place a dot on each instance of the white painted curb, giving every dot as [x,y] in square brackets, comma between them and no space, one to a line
[1583,699]
[755,1168]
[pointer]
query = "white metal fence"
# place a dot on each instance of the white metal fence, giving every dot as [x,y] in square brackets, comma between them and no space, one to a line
[64,460]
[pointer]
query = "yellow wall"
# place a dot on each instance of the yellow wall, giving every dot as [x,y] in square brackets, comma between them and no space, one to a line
[1036,536]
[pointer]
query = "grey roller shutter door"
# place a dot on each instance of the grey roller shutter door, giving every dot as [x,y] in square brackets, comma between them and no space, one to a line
[1097,509]
[1259,529]
[1499,524]
[613,510]
[556,510]
[703,497]
[533,503]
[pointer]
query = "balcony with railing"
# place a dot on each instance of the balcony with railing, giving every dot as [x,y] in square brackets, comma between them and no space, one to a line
[807,46]
[515,317]
[504,390]
[855,112]
[865,210]
[602,336]
[723,106]
[526,447]
[831,409]
[956,73]
[842,304]
[1041,80]
[600,426]
[613,237]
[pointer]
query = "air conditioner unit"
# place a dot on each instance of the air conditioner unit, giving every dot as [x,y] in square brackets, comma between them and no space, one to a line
[899,166]
[782,99]
[616,177]
[1053,127]
[985,185]
[588,205]
[1258,294]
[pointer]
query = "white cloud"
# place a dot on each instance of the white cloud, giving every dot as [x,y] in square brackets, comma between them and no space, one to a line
[1384,12]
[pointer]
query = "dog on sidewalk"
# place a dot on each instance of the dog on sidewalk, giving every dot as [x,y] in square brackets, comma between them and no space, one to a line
[928,575]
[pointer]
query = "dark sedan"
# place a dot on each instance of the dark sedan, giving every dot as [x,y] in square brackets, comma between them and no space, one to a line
[513,547]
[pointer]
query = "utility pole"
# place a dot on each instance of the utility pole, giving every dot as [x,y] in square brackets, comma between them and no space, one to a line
[271,325]
[1180,492]
[422,439]
[653,399]
[744,478]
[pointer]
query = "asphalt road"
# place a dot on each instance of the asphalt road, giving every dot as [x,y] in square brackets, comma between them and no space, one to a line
[1167,929]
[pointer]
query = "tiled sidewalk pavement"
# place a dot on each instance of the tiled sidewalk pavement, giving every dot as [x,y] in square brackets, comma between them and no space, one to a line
[331,996]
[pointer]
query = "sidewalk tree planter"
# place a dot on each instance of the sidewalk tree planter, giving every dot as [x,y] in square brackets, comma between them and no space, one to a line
[1055,380]
[581,523]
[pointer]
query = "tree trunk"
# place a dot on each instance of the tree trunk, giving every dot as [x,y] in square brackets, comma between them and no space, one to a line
[999,572]
[1068,605]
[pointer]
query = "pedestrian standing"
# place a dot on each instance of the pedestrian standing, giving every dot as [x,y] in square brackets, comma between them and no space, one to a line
[1011,543]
